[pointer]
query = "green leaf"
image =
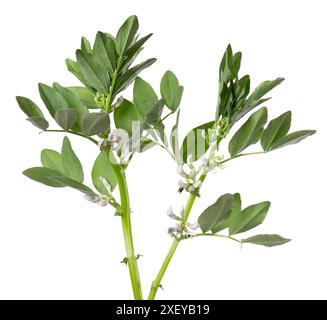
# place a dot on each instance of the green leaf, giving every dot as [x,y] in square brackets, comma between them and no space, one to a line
[75,69]
[154,114]
[103,168]
[255,99]
[144,97]
[85,45]
[267,240]
[174,140]
[72,165]
[194,143]
[42,175]
[291,138]
[126,116]
[38,122]
[95,123]
[225,65]
[86,96]
[126,34]
[67,182]
[66,118]
[160,132]
[243,87]
[224,101]
[53,160]
[105,51]
[262,89]
[72,100]
[234,213]
[249,133]
[94,75]
[249,218]
[236,65]
[216,213]
[169,88]
[276,129]
[146,144]
[134,49]
[178,97]
[52,99]
[128,77]
[29,107]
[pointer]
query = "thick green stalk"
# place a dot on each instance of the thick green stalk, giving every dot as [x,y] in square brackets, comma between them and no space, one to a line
[127,231]
[157,281]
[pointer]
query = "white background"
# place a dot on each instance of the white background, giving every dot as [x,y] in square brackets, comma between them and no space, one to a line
[55,245]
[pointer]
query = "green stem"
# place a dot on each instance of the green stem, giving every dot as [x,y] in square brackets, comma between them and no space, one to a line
[75,133]
[157,281]
[112,87]
[242,155]
[217,235]
[127,231]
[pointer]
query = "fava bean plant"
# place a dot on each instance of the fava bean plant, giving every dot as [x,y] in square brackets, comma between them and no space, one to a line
[121,129]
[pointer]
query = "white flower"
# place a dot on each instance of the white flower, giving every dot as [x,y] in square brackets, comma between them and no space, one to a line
[102,203]
[189,159]
[191,188]
[180,170]
[192,174]
[92,197]
[182,212]
[176,230]
[114,146]
[194,226]
[171,214]
[182,184]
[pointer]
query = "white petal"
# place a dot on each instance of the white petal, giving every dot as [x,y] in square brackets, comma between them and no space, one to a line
[91,197]
[189,159]
[102,203]
[182,184]
[181,171]
[182,211]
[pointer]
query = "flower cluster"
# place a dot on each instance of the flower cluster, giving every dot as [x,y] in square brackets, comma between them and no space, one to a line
[181,229]
[191,175]
[103,200]
[118,141]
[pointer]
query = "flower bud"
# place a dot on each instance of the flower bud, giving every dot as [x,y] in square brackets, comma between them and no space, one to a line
[91,197]
[180,170]
[102,203]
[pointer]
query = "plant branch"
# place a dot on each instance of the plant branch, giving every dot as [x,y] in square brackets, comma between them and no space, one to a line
[75,133]
[149,132]
[127,231]
[157,281]
[217,235]
[242,155]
